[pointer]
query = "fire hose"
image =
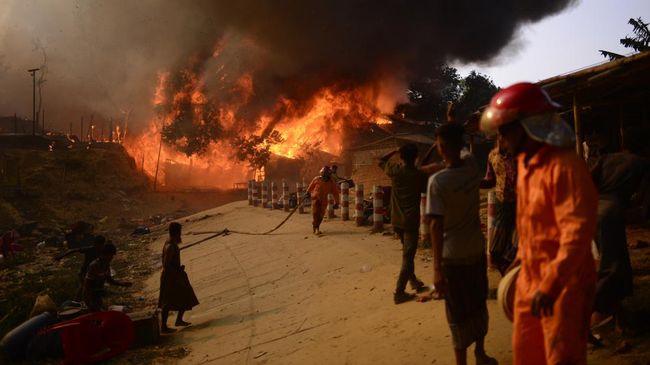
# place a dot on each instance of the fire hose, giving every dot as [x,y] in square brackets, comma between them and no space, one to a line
[226,231]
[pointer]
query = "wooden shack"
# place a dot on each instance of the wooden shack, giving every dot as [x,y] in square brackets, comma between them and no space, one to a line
[601,101]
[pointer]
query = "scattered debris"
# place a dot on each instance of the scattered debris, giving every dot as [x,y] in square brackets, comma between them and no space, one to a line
[141,230]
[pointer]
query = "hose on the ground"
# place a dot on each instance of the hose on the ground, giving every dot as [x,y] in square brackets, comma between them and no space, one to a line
[226,231]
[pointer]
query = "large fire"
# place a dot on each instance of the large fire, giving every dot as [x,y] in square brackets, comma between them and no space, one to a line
[316,124]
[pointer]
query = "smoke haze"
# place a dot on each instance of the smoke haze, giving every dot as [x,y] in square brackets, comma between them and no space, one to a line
[103,57]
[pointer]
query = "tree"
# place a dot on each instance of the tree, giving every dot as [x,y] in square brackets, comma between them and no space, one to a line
[428,96]
[476,90]
[256,149]
[640,41]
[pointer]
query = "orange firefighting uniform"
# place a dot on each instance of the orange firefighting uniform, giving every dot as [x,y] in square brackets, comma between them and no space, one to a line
[556,221]
[319,190]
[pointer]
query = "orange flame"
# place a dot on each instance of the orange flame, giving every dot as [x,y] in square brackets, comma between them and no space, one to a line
[318,123]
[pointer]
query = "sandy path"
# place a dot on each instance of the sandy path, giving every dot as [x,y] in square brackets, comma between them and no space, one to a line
[293,298]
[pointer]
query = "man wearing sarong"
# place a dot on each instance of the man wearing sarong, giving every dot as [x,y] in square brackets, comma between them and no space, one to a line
[617,176]
[176,292]
[408,182]
[556,220]
[459,261]
[501,175]
[99,272]
[319,188]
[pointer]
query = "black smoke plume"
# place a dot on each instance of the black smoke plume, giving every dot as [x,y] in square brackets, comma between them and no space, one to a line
[104,56]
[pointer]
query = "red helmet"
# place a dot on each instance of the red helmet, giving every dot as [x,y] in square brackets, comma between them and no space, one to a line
[516,102]
[325,171]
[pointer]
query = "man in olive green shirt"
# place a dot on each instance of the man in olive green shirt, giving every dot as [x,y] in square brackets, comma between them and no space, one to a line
[408,183]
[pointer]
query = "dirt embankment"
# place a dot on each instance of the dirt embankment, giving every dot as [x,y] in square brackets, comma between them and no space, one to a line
[45,193]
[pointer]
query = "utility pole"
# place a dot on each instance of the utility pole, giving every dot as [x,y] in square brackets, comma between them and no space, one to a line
[33,72]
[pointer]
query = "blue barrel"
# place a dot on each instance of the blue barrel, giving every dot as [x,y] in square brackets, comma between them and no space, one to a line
[15,343]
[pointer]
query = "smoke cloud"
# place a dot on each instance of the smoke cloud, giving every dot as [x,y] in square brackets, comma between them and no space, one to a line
[103,57]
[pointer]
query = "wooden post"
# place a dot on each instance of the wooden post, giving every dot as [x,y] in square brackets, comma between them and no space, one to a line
[620,127]
[577,125]
[155,178]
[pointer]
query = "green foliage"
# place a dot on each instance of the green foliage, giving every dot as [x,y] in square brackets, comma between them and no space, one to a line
[428,96]
[640,41]
[477,90]
[256,149]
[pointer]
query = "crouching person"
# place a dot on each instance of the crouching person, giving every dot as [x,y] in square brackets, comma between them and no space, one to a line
[176,292]
[99,272]
[459,260]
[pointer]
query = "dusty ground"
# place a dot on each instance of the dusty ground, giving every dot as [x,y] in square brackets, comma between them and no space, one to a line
[291,297]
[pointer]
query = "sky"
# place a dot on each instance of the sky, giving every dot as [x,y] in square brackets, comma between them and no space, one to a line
[104,57]
[565,42]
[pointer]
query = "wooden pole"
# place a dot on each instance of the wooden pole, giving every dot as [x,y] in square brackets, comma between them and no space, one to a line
[81,132]
[155,178]
[577,125]
[620,126]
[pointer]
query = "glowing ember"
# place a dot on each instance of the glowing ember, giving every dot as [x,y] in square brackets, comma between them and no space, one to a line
[382,120]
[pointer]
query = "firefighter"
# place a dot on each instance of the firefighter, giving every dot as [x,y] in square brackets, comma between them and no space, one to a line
[319,188]
[556,220]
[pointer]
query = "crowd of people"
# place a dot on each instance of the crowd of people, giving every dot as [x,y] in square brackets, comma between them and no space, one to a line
[549,207]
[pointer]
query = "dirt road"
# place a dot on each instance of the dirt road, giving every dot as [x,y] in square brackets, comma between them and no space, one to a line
[295,298]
